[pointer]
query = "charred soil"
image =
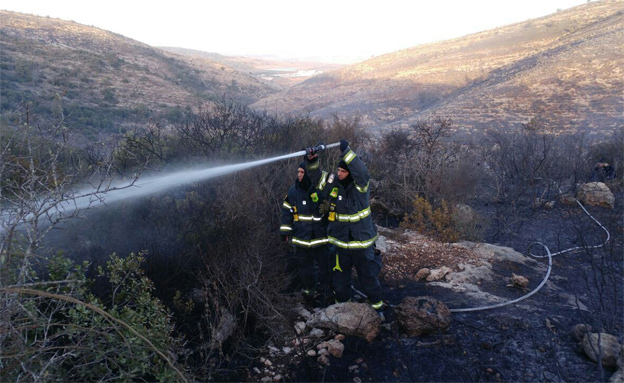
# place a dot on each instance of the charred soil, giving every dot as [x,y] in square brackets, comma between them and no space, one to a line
[530,340]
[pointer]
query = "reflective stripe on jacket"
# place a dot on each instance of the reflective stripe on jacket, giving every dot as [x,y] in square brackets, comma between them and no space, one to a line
[301,219]
[353,227]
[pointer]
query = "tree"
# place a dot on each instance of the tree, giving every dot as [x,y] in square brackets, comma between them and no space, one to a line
[425,161]
[44,181]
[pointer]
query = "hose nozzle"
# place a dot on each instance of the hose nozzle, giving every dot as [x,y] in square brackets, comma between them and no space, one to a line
[319,148]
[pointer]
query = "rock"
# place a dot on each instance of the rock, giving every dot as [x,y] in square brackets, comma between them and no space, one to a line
[610,348]
[311,353]
[596,194]
[339,337]
[471,274]
[358,319]
[323,359]
[618,377]
[567,199]
[489,252]
[422,274]
[381,244]
[316,333]
[438,274]
[266,379]
[519,280]
[580,330]
[273,350]
[302,312]
[300,327]
[286,350]
[335,347]
[277,378]
[422,315]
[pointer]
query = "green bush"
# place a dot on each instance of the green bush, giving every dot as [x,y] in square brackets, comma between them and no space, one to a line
[71,335]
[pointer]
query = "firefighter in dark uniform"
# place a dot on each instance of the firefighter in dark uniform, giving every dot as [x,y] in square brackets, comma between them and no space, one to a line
[351,230]
[304,227]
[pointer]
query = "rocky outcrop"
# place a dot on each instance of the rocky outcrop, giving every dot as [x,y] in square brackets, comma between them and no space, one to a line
[618,377]
[422,315]
[603,344]
[579,331]
[358,319]
[596,194]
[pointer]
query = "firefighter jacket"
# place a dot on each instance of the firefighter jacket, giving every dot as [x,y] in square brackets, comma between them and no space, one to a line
[350,223]
[301,219]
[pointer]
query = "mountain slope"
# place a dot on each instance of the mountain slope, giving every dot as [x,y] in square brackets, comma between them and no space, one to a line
[106,82]
[564,69]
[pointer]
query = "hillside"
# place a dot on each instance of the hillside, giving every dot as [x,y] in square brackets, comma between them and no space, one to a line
[564,69]
[106,82]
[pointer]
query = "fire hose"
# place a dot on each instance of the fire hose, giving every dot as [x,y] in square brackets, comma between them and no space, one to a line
[535,290]
[550,256]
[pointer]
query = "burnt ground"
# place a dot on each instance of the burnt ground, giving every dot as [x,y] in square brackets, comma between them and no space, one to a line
[529,341]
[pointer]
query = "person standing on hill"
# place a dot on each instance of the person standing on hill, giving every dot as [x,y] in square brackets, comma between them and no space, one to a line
[305,229]
[351,230]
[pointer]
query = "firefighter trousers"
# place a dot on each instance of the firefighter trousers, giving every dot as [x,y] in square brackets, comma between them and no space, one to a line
[367,265]
[313,269]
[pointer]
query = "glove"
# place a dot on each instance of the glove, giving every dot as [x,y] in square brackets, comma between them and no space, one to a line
[324,207]
[343,145]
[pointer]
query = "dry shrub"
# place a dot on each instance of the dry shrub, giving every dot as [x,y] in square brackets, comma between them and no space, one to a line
[429,221]
[446,223]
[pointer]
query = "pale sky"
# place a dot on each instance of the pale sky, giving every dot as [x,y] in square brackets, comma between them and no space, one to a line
[292,28]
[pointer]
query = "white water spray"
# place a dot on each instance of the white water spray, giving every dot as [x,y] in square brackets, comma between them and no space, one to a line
[150,185]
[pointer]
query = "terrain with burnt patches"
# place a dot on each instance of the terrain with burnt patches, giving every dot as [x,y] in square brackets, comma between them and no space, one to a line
[530,340]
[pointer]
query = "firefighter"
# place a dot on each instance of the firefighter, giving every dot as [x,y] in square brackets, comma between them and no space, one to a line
[351,230]
[305,229]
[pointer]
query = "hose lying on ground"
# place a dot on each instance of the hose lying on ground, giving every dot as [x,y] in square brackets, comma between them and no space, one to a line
[549,255]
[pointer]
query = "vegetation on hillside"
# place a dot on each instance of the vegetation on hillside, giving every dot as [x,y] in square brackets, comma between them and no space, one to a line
[106,84]
[562,68]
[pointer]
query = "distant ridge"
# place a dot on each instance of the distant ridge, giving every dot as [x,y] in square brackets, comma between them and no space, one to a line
[565,69]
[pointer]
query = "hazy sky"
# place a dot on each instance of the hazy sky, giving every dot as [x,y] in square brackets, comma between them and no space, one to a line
[292,28]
